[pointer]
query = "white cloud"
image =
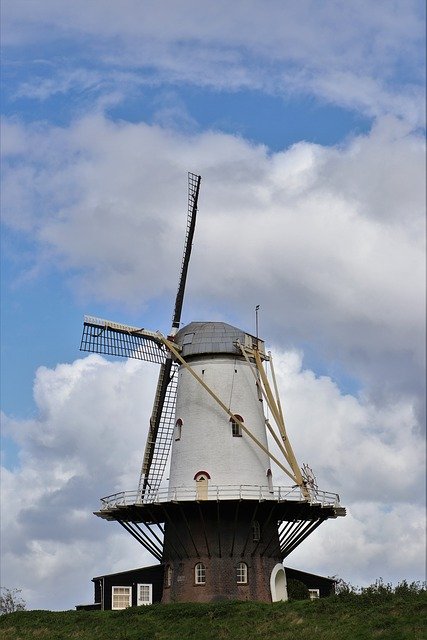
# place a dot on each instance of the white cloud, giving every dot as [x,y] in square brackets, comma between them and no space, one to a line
[372,454]
[67,80]
[374,458]
[87,441]
[369,543]
[348,54]
[332,239]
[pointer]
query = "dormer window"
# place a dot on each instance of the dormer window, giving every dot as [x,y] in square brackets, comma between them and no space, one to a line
[236,429]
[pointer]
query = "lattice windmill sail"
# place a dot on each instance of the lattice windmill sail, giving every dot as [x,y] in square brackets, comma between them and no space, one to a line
[114,339]
[221,512]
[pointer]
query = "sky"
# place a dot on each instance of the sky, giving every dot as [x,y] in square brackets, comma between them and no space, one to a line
[306,121]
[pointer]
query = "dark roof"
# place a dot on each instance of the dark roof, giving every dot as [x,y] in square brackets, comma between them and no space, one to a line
[210,337]
[120,573]
[306,573]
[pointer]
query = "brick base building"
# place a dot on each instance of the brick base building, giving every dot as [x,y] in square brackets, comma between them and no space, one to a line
[145,585]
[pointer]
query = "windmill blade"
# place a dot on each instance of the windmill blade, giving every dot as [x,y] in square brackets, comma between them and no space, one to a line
[193,198]
[114,339]
[160,432]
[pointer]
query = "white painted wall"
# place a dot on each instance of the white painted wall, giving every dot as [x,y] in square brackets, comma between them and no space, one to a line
[206,442]
[278,584]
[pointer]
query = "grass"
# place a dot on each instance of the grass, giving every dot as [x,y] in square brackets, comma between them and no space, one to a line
[348,616]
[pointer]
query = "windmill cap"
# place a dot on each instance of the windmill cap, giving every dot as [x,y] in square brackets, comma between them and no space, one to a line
[213,338]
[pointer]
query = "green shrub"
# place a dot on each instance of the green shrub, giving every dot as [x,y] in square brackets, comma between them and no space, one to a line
[297,590]
[405,589]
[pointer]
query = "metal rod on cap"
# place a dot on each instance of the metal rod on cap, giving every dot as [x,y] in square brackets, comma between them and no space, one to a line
[256,321]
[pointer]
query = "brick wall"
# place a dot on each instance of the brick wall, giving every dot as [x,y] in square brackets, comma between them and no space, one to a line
[220,535]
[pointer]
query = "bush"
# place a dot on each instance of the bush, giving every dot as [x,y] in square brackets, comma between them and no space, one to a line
[377,592]
[297,590]
[405,589]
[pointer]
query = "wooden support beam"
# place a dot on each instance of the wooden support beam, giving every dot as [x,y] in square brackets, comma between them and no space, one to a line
[184,517]
[204,531]
[178,539]
[218,524]
[244,428]
[234,529]
[142,540]
[304,534]
[250,529]
[265,524]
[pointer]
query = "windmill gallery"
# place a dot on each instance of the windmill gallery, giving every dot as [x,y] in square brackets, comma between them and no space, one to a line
[220,529]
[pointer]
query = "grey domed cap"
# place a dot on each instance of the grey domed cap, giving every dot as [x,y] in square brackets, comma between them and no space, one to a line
[211,337]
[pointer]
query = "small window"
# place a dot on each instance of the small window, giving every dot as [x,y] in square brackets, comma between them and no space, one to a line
[121,597]
[242,573]
[270,481]
[200,573]
[168,576]
[145,594]
[236,429]
[256,531]
[314,594]
[178,429]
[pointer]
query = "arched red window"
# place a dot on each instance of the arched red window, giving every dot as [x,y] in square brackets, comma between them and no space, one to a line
[236,429]
[201,474]
[202,485]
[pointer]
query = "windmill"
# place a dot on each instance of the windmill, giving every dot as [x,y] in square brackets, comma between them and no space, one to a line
[220,526]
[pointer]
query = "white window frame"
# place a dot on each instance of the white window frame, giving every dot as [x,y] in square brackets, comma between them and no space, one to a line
[128,592]
[139,600]
[242,573]
[314,594]
[236,429]
[200,573]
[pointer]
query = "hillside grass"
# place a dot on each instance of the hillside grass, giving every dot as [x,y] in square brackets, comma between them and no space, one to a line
[344,617]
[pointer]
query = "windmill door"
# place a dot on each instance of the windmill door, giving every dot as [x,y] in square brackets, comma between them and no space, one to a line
[202,479]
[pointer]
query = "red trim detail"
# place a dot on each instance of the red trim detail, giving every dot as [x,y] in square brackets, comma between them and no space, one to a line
[202,473]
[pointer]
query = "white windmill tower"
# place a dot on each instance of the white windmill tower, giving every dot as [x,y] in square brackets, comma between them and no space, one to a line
[220,526]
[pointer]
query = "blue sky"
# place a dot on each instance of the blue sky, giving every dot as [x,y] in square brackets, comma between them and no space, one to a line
[307,123]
